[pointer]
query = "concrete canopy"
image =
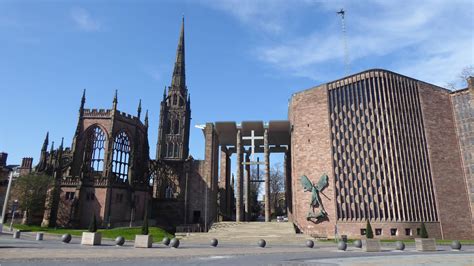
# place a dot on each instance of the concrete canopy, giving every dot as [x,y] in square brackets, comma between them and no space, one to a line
[278,132]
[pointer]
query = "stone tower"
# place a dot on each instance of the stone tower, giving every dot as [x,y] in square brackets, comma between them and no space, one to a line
[175,113]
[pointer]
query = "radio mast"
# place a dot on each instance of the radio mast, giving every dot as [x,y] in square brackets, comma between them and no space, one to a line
[342,14]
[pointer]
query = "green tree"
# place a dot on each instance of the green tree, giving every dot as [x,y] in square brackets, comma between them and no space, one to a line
[31,190]
[93,224]
[423,233]
[368,231]
[145,222]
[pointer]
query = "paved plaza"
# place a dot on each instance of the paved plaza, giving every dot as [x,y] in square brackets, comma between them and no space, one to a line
[51,251]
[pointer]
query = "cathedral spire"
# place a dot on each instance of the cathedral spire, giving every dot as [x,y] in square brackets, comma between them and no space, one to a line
[179,77]
[139,111]
[46,142]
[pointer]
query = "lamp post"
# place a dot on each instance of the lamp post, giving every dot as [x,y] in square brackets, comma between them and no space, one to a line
[7,195]
[14,206]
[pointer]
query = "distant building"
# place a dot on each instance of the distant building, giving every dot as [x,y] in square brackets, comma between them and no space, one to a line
[14,170]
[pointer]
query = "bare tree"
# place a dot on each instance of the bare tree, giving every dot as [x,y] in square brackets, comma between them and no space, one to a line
[255,191]
[277,189]
[466,72]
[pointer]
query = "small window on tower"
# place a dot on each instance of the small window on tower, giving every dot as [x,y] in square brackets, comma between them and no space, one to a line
[168,127]
[176,126]
[175,100]
[176,150]
[181,102]
[170,150]
[168,192]
[70,195]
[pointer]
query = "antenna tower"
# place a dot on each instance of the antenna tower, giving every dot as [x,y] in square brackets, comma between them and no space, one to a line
[342,14]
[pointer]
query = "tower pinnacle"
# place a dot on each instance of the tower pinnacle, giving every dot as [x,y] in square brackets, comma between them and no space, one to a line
[83,101]
[146,118]
[139,111]
[46,142]
[115,101]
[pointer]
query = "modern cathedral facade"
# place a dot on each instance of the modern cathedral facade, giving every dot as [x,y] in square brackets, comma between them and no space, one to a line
[374,146]
[398,152]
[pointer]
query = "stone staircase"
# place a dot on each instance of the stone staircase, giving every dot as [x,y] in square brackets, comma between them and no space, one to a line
[248,232]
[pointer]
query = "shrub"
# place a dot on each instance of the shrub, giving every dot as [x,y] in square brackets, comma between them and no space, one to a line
[93,224]
[368,231]
[423,233]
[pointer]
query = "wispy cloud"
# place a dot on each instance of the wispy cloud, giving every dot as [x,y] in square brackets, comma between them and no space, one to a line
[84,20]
[269,16]
[157,73]
[429,40]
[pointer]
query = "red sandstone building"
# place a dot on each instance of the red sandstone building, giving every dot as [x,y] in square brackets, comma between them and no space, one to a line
[398,152]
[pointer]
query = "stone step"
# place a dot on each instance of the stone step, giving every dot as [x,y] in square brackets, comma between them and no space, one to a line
[248,232]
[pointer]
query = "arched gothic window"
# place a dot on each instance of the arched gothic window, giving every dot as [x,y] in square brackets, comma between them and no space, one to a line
[168,127]
[95,149]
[168,192]
[181,102]
[121,156]
[169,152]
[176,150]
[176,126]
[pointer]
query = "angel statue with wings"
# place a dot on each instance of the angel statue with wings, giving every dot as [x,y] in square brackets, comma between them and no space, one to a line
[315,198]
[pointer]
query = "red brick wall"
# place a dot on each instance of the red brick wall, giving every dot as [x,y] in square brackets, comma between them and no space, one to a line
[311,156]
[446,167]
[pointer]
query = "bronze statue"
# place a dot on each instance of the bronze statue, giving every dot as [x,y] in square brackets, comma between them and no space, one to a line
[315,198]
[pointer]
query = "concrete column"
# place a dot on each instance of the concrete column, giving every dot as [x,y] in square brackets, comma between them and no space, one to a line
[210,173]
[287,166]
[222,180]
[266,151]
[229,188]
[247,188]
[238,195]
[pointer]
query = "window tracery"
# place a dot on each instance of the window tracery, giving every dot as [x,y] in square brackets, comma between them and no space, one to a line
[121,156]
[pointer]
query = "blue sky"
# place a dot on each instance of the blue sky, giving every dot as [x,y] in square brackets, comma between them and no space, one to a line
[244,58]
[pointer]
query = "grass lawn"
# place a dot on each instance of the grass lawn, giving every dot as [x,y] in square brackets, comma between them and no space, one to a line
[126,232]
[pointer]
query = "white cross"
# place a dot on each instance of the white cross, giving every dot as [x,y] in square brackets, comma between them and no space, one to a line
[252,139]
